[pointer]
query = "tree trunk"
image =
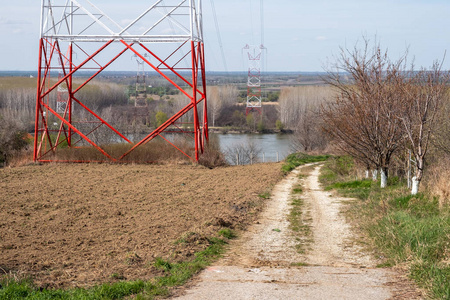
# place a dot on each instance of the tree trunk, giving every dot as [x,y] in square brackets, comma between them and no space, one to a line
[416,182]
[384,177]
[375,175]
[415,186]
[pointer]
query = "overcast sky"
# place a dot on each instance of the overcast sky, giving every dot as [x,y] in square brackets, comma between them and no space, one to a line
[299,35]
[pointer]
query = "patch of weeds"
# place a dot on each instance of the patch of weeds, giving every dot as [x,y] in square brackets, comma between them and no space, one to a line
[302,176]
[300,264]
[117,276]
[299,224]
[185,238]
[359,189]
[227,233]
[434,277]
[297,159]
[387,264]
[297,189]
[265,195]
[336,168]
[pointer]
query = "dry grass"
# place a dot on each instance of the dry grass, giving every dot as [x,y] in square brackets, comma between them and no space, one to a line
[437,181]
[156,151]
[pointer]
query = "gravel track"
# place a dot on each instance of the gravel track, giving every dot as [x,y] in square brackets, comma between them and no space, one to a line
[263,262]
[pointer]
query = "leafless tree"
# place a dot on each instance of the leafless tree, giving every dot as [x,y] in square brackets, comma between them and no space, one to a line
[220,97]
[300,111]
[12,138]
[441,135]
[423,94]
[243,153]
[362,119]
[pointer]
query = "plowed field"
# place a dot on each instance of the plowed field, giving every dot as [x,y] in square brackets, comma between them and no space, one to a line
[68,225]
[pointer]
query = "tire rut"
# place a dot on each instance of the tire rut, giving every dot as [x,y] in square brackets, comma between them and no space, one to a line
[261,264]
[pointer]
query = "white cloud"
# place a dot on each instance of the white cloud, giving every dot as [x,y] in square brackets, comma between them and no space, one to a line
[125,22]
[169,31]
[5,21]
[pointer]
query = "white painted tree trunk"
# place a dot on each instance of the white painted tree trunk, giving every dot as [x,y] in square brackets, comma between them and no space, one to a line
[415,186]
[367,174]
[374,175]
[383,178]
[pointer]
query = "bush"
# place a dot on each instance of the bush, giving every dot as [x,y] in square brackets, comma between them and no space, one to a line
[279,125]
[12,139]
[212,157]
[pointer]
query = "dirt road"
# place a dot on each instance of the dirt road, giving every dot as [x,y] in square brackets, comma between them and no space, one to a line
[264,263]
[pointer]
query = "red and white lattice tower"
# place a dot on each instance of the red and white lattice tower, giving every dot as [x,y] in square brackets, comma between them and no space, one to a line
[254,78]
[168,31]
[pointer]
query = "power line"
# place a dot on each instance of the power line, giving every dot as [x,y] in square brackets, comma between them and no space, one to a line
[218,36]
[262,22]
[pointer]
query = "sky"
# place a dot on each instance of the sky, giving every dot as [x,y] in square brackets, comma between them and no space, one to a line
[299,35]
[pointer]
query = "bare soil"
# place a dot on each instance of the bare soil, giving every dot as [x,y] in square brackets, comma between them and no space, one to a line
[264,262]
[77,225]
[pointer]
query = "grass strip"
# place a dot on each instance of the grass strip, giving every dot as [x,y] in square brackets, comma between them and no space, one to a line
[176,274]
[297,218]
[405,229]
[297,159]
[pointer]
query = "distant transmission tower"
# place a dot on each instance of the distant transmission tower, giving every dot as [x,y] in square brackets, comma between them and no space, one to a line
[140,99]
[254,56]
[254,78]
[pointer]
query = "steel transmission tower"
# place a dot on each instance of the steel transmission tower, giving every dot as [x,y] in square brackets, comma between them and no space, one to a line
[168,31]
[141,86]
[254,78]
[254,55]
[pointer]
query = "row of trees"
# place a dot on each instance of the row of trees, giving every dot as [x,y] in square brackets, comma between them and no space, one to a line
[299,110]
[385,108]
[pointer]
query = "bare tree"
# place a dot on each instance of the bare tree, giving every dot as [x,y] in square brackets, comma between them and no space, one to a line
[441,135]
[423,93]
[12,138]
[362,119]
[243,153]
[300,111]
[220,97]
[308,134]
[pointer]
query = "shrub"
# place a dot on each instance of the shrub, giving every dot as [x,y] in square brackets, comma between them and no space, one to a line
[279,125]
[212,156]
[12,139]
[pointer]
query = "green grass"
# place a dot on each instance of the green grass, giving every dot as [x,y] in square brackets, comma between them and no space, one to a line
[299,224]
[336,168]
[175,274]
[227,233]
[265,195]
[405,229]
[297,189]
[297,159]
[356,189]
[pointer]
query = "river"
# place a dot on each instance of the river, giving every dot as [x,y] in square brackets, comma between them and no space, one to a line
[270,147]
